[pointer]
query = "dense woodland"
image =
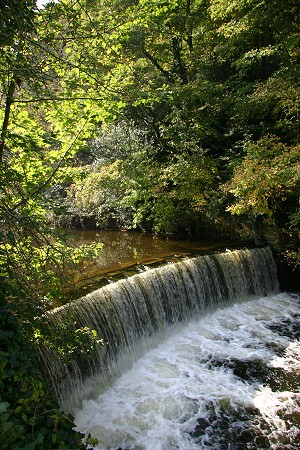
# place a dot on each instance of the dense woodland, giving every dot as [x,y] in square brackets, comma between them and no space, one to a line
[177,117]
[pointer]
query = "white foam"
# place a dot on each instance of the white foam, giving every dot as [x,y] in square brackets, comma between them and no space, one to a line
[155,404]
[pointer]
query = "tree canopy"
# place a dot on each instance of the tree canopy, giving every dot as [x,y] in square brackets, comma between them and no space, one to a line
[177,117]
[148,114]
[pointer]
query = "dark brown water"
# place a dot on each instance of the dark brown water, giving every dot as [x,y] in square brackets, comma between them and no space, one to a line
[127,252]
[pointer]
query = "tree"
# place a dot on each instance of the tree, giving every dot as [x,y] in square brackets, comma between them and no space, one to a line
[202,78]
[266,184]
[17,21]
[127,186]
[31,261]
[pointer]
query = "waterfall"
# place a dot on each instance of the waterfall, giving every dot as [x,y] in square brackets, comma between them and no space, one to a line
[131,314]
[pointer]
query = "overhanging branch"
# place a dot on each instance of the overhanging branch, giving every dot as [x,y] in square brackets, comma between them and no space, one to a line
[56,99]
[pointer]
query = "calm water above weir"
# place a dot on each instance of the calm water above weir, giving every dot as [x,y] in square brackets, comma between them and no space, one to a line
[127,252]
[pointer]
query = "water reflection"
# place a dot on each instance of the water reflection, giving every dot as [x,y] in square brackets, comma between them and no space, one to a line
[136,248]
[131,251]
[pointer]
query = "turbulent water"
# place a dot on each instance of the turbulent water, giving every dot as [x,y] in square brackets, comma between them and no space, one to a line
[229,380]
[200,354]
[132,314]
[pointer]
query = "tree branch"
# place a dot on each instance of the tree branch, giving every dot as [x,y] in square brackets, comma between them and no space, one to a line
[8,103]
[59,99]
[44,184]
[154,61]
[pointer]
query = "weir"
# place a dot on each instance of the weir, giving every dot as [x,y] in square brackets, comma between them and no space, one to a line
[133,314]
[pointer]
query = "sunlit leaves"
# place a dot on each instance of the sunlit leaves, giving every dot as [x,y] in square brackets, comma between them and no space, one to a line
[42,268]
[67,339]
[266,180]
[128,183]
[99,195]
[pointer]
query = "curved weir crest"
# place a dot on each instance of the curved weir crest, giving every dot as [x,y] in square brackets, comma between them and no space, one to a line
[134,314]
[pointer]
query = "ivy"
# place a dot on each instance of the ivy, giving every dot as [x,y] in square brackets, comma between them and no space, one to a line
[30,418]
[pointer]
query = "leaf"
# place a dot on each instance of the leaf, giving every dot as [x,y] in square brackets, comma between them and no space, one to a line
[3,407]
[33,445]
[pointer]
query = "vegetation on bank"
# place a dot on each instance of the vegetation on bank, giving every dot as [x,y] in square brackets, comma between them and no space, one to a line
[29,416]
[175,117]
[201,101]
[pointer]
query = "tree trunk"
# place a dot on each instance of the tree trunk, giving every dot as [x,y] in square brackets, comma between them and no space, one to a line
[8,103]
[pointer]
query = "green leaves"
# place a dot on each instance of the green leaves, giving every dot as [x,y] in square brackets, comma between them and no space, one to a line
[17,18]
[128,183]
[44,269]
[29,416]
[267,178]
[66,339]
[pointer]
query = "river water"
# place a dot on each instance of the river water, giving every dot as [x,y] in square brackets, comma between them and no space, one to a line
[127,252]
[225,379]
[229,380]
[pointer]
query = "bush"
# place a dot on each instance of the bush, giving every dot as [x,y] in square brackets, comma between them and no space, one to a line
[30,418]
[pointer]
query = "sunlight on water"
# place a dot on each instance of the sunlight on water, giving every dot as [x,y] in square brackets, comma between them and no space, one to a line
[228,380]
[128,252]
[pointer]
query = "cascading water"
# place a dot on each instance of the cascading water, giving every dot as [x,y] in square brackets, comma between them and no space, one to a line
[228,380]
[193,327]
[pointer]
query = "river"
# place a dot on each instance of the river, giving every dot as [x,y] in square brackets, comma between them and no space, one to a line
[201,354]
[227,381]
[125,253]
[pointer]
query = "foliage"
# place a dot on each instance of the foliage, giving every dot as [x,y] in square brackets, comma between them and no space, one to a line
[267,182]
[29,416]
[99,196]
[168,196]
[200,79]
[67,340]
[293,258]
[37,265]
[187,111]
[21,19]
[37,262]
[31,262]
[33,258]
[100,187]
[126,182]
